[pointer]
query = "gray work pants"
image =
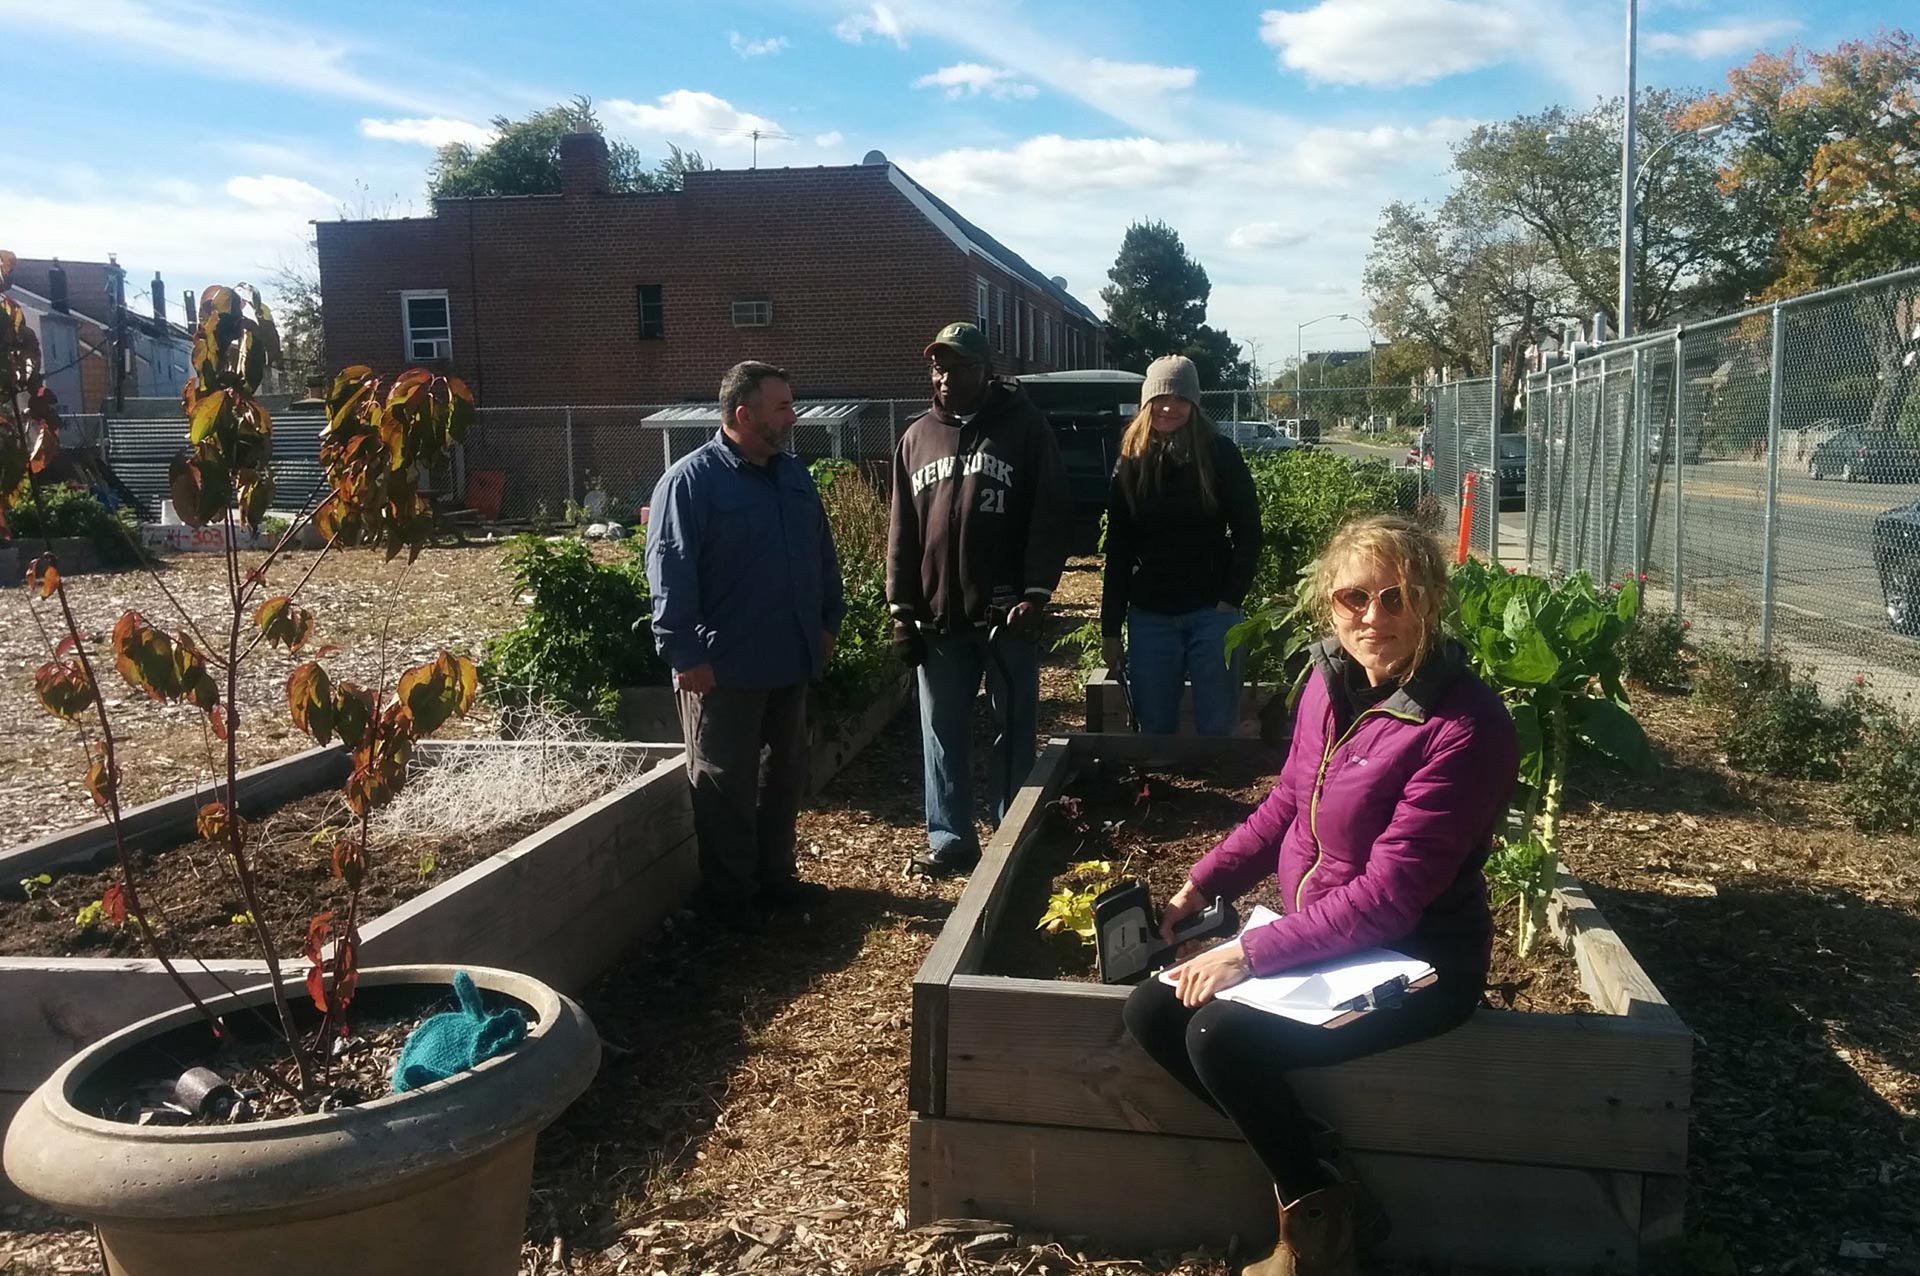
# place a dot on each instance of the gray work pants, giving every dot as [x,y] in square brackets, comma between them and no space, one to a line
[747,759]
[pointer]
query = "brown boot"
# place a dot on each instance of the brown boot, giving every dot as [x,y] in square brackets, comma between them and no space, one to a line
[1316,1236]
[1371,1225]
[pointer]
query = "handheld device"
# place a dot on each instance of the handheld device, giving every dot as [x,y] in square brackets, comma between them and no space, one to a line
[1127,933]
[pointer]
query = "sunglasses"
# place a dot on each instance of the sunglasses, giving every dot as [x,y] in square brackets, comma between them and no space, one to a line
[1393,600]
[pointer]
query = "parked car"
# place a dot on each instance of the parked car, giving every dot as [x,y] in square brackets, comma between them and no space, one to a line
[1510,460]
[1089,409]
[1420,453]
[1861,454]
[1256,436]
[1896,557]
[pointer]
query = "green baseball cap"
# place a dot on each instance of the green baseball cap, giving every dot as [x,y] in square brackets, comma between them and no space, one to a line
[965,338]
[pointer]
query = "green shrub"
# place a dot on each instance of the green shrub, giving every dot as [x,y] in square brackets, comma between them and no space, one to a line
[863,661]
[1731,679]
[1785,727]
[1652,650]
[1883,774]
[74,511]
[1305,496]
[588,630]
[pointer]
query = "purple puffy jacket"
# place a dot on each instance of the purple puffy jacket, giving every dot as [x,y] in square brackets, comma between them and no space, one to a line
[1378,826]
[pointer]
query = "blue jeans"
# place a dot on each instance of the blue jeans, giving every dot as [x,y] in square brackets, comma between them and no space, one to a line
[949,679]
[1164,651]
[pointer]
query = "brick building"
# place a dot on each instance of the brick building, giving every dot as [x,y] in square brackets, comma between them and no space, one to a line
[589,297]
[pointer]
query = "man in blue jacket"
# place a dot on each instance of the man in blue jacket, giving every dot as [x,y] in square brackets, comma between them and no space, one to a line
[747,602]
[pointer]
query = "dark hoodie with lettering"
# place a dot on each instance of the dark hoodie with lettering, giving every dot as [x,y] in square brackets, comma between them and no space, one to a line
[979,517]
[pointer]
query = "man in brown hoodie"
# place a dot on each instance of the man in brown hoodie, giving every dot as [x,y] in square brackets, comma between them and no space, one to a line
[974,550]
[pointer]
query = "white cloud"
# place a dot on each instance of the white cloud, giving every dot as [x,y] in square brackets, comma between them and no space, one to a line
[1255,236]
[1393,42]
[970,79]
[827,141]
[881,20]
[436,132]
[273,192]
[709,120]
[1729,40]
[248,48]
[1102,76]
[755,48]
[1050,164]
[1336,157]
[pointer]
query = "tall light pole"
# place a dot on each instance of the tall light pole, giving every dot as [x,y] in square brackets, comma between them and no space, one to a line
[1300,361]
[1624,316]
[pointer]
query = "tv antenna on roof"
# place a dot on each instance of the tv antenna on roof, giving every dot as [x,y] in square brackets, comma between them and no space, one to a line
[756,134]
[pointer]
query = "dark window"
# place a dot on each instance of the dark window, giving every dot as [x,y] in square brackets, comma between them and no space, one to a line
[653,313]
[429,329]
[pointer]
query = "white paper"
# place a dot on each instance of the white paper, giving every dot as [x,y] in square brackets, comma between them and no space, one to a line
[1318,993]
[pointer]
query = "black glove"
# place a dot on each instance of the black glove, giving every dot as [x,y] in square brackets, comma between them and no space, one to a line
[909,644]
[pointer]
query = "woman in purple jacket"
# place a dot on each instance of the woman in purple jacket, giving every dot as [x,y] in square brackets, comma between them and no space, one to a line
[1400,770]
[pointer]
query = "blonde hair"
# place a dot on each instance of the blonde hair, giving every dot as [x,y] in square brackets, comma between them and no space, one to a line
[1135,473]
[1411,554]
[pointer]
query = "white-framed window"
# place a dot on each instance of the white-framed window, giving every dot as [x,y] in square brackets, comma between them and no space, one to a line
[1000,321]
[427,322]
[1016,327]
[1029,331]
[756,312]
[982,304]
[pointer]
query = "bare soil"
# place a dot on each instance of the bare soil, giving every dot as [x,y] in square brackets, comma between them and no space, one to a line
[195,901]
[751,1114]
[451,598]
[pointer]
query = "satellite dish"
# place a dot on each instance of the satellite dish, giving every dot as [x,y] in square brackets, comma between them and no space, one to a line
[1060,282]
[873,158]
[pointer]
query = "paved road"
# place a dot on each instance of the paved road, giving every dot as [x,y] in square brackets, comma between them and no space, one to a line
[1827,593]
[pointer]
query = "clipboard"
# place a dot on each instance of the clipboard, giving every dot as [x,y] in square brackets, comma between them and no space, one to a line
[1387,996]
[1333,993]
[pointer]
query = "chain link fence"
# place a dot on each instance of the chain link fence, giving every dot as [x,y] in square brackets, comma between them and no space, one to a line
[1460,441]
[1761,469]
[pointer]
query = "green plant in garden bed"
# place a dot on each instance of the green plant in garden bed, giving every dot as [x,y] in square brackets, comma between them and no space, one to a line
[1305,496]
[1653,651]
[1883,773]
[380,438]
[864,665]
[74,511]
[1553,653]
[1776,720]
[587,632]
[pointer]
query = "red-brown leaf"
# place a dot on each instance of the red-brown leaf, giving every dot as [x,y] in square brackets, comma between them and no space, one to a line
[113,902]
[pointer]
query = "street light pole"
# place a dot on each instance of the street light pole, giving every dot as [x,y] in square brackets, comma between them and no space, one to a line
[1300,360]
[1623,319]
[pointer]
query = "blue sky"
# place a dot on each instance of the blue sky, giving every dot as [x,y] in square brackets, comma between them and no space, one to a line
[200,139]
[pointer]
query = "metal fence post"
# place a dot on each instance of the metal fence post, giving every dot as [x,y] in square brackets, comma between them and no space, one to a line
[1536,459]
[893,427]
[1493,456]
[1676,440]
[1768,561]
[1459,465]
[1635,440]
[570,470]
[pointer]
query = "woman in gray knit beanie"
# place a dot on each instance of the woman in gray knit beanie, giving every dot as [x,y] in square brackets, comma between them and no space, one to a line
[1183,538]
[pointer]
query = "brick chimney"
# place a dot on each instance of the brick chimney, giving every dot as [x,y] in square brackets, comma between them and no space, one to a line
[583,163]
[159,304]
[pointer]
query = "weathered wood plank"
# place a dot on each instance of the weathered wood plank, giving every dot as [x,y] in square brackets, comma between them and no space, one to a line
[1663,1212]
[1171,751]
[160,823]
[1592,1091]
[1106,705]
[828,756]
[964,935]
[55,1005]
[1163,1191]
[511,907]
[1608,971]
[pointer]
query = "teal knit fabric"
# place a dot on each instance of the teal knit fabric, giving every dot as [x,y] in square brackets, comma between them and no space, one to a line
[461,1039]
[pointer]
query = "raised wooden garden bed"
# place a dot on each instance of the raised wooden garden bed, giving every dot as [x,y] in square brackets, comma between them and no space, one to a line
[1107,705]
[1518,1140]
[650,713]
[559,904]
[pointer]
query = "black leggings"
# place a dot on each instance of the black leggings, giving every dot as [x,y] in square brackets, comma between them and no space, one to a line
[1232,1057]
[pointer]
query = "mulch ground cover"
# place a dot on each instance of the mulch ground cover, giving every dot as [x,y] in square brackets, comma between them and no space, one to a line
[751,1112]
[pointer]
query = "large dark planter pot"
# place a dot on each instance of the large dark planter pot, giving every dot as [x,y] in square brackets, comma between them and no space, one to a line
[434,1180]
